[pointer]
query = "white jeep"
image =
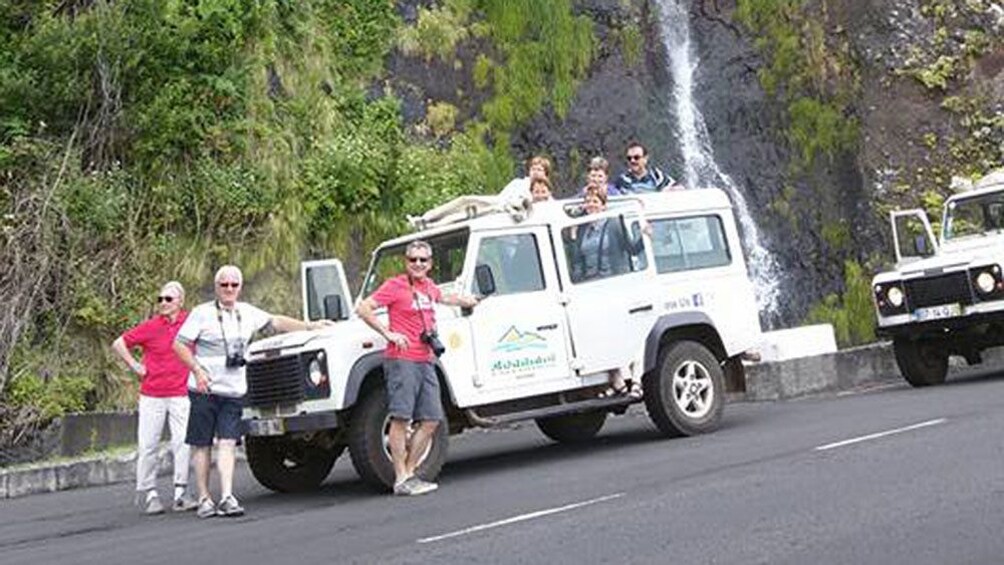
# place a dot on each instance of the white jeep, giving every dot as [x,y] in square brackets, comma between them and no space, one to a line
[948,298]
[676,313]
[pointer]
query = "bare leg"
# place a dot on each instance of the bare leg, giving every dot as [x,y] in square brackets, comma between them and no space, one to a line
[616,379]
[419,443]
[200,460]
[397,437]
[225,465]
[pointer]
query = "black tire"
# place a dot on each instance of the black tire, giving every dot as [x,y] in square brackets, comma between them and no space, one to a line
[921,362]
[572,428]
[366,443]
[289,464]
[685,395]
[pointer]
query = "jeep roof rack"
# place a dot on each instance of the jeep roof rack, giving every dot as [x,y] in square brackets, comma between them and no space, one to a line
[469,207]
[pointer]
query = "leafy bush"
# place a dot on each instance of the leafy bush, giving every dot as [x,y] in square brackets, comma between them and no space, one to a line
[851,314]
[55,397]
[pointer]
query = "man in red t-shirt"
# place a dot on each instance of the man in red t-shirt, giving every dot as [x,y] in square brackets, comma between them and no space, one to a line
[163,394]
[412,385]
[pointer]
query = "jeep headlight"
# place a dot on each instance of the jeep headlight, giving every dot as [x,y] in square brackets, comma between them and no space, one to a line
[895,296]
[315,370]
[986,282]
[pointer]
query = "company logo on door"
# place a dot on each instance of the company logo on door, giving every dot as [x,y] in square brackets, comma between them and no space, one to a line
[521,352]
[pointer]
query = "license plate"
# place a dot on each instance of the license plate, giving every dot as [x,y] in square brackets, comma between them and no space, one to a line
[937,312]
[268,427]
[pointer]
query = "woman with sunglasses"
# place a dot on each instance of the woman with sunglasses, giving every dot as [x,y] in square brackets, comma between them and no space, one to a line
[163,394]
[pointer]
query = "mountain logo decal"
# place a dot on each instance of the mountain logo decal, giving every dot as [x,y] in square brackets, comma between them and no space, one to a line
[515,340]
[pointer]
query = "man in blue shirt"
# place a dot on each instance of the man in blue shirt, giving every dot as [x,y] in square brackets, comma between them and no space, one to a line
[640,177]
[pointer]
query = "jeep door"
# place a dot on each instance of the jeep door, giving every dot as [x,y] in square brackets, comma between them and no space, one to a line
[519,331]
[324,290]
[609,299]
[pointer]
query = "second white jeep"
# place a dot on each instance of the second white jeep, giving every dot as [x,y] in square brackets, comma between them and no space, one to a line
[945,298]
[677,314]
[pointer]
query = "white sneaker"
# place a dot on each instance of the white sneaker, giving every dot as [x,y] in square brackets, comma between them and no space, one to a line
[414,486]
[230,507]
[207,508]
[153,505]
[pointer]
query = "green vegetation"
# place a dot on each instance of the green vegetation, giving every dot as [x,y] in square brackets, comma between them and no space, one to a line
[816,81]
[851,314]
[437,32]
[946,58]
[156,140]
[631,43]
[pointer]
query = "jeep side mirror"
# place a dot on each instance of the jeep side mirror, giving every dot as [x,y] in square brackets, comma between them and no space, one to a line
[485,280]
[333,308]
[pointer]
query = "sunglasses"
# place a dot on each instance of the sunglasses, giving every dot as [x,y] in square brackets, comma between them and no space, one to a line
[229,285]
[422,260]
[635,157]
[167,299]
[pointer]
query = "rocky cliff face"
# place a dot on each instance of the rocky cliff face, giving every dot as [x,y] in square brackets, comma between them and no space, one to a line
[910,56]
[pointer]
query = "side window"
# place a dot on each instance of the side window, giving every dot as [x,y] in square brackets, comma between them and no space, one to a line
[515,262]
[682,244]
[603,248]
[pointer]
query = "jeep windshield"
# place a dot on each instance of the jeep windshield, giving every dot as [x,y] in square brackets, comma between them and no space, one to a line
[448,252]
[977,215]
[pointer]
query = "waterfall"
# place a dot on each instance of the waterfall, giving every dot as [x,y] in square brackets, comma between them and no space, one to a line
[700,168]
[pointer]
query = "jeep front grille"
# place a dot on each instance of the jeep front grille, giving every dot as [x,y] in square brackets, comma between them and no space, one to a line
[952,288]
[275,381]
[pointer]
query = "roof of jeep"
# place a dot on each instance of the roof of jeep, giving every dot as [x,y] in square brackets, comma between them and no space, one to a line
[489,212]
[993,182]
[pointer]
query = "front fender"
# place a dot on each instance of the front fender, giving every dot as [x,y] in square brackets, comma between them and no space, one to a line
[369,363]
[667,323]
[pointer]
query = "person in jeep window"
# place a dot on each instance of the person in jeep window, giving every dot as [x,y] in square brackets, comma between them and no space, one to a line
[639,176]
[412,385]
[601,249]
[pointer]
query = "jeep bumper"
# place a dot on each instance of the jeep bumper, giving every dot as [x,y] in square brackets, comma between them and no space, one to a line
[280,425]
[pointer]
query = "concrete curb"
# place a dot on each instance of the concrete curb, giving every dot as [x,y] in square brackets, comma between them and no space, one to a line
[780,380]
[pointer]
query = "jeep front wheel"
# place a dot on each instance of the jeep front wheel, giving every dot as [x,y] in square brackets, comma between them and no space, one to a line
[290,464]
[685,395]
[369,445]
[922,362]
[572,428]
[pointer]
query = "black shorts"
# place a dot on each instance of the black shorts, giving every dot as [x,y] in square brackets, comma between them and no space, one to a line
[211,416]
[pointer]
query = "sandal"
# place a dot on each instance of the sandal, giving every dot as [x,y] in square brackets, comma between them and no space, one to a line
[634,391]
[612,391]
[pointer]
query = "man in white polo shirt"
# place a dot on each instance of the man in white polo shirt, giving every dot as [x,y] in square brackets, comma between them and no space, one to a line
[220,331]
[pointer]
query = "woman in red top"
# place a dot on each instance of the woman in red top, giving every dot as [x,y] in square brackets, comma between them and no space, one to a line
[163,394]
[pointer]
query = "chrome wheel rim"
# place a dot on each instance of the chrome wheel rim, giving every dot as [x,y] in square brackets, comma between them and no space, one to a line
[693,391]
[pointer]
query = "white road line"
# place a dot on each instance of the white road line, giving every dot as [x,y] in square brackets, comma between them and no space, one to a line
[880,434]
[521,518]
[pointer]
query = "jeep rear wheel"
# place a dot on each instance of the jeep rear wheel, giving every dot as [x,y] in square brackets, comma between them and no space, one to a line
[572,428]
[922,362]
[368,443]
[290,464]
[686,393]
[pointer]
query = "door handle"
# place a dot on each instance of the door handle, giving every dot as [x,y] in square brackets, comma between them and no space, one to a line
[547,327]
[637,309]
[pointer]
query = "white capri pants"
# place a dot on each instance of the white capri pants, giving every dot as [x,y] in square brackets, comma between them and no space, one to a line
[152,413]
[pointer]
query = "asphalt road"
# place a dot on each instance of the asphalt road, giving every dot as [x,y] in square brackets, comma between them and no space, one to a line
[890,476]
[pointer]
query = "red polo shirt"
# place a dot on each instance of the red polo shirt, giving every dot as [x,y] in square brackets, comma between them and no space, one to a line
[166,375]
[410,309]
